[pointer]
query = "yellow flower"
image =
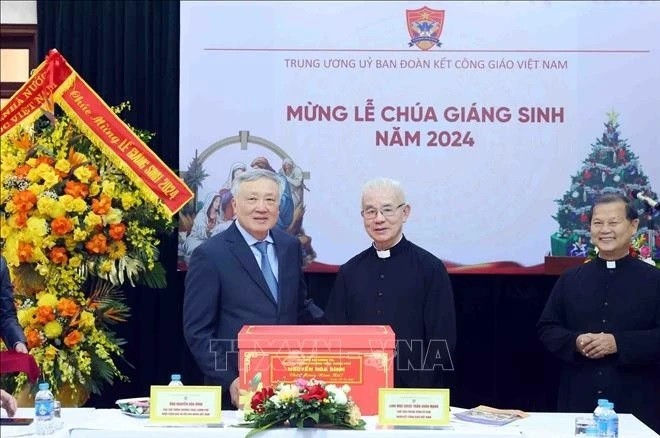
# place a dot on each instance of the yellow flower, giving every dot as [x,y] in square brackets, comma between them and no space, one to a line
[43,270]
[50,207]
[83,174]
[78,205]
[45,172]
[75,261]
[94,189]
[50,353]
[93,220]
[52,329]
[117,250]
[8,164]
[37,189]
[66,201]
[47,299]
[37,227]
[63,165]
[109,188]
[86,319]
[114,216]
[106,266]
[127,200]
[25,316]
[79,235]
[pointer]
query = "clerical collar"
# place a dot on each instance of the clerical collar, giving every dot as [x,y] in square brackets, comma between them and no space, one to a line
[613,264]
[385,254]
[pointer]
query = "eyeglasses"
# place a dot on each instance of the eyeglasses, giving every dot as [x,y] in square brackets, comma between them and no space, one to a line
[387,211]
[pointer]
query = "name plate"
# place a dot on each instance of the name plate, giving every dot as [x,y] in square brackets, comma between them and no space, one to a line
[185,404]
[413,407]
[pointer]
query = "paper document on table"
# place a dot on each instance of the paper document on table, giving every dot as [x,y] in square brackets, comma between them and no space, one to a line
[487,415]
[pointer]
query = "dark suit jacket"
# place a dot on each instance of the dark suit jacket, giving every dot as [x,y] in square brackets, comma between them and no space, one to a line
[10,331]
[226,290]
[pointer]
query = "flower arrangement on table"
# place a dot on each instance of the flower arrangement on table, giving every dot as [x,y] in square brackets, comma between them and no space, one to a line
[302,404]
[75,229]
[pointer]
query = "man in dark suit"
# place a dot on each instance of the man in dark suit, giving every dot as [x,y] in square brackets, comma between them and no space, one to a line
[250,273]
[10,330]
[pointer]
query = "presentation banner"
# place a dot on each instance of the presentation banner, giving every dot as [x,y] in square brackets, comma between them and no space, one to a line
[55,82]
[502,120]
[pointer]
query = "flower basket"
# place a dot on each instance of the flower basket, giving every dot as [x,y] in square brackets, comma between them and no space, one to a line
[68,396]
[303,404]
[75,230]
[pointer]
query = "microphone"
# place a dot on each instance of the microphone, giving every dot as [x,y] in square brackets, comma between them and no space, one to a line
[642,197]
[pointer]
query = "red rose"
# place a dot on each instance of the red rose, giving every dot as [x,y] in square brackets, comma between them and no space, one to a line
[258,399]
[315,392]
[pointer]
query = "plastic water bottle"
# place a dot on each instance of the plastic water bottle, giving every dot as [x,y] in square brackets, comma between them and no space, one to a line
[43,411]
[612,422]
[175,380]
[600,417]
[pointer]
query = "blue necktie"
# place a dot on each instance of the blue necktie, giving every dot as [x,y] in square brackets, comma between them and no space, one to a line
[266,269]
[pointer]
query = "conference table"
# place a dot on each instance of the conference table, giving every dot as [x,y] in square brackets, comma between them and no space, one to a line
[112,423]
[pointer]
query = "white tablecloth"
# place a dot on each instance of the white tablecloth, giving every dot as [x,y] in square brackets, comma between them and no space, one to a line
[111,423]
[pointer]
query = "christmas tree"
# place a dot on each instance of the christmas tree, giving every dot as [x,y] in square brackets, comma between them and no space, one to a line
[611,167]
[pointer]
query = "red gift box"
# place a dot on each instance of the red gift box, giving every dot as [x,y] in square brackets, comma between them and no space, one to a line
[361,356]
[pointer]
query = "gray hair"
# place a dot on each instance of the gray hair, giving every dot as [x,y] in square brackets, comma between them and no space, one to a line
[254,175]
[378,184]
[287,161]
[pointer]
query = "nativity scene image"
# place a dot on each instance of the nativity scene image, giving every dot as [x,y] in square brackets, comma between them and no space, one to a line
[210,175]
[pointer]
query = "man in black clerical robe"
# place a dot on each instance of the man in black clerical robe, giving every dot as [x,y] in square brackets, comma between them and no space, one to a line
[395,282]
[602,321]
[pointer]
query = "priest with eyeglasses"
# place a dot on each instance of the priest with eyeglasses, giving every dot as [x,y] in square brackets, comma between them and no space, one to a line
[397,283]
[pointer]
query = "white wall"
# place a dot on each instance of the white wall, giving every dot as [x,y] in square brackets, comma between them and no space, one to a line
[18,12]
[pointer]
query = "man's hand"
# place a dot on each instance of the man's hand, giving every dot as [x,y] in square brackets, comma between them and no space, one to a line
[581,341]
[234,393]
[20,348]
[8,402]
[599,345]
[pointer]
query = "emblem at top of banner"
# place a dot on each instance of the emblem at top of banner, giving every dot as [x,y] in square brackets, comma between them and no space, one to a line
[425,27]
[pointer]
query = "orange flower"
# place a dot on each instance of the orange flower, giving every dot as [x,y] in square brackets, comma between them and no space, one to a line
[76,189]
[97,244]
[101,206]
[24,252]
[45,314]
[117,231]
[67,307]
[24,200]
[20,219]
[61,225]
[58,255]
[94,173]
[22,170]
[33,338]
[44,159]
[72,338]
[23,142]
[75,158]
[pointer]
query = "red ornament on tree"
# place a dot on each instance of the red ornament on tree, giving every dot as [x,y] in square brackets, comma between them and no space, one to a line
[586,174]
[584,218]
[621,154]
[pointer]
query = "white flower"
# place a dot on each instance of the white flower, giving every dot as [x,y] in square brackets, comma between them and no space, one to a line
[287,393]
[338,395]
